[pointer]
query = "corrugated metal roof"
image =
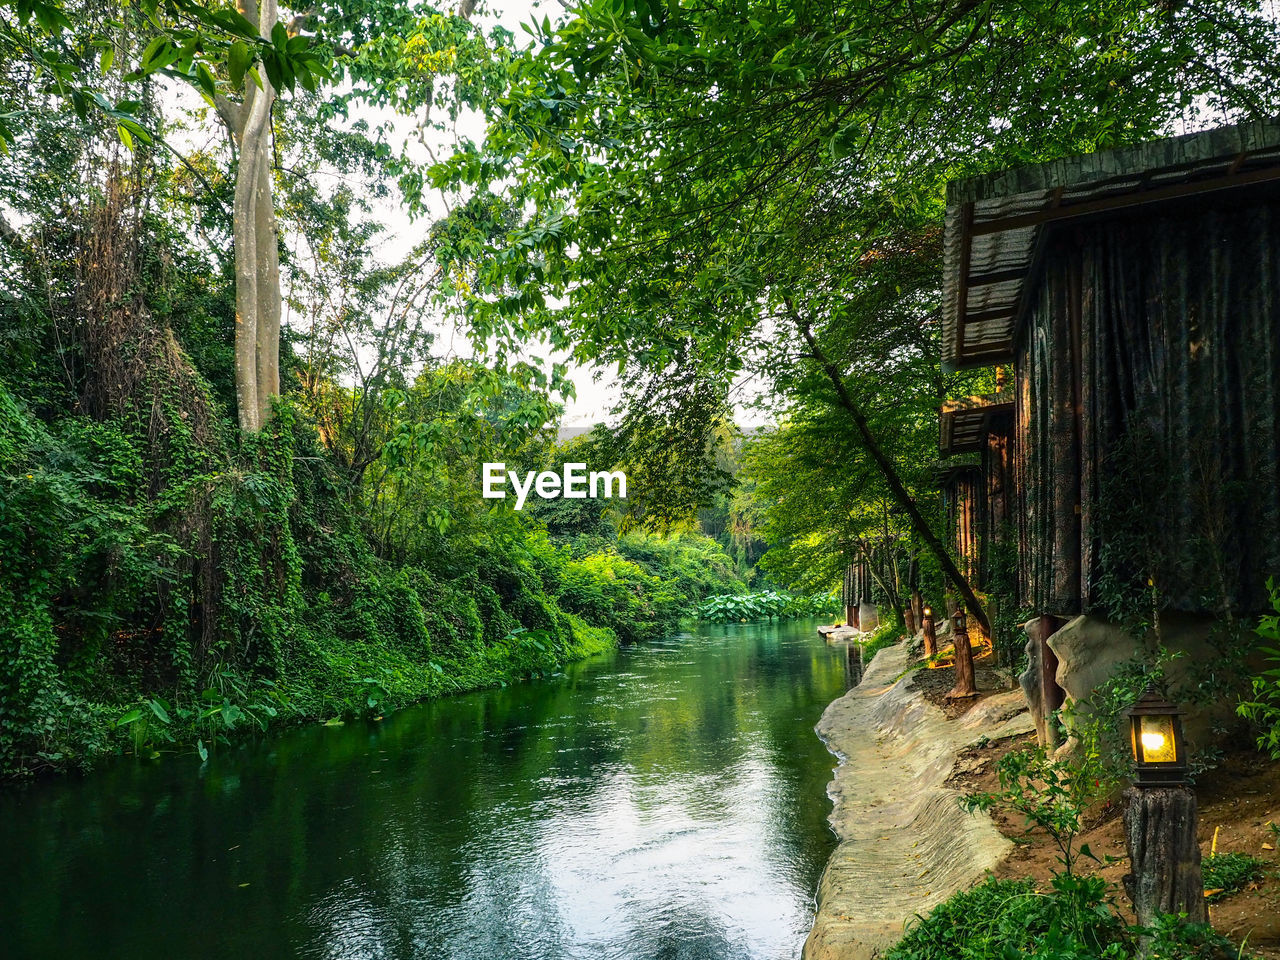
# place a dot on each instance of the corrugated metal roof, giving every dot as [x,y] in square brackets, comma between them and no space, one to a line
[995,224]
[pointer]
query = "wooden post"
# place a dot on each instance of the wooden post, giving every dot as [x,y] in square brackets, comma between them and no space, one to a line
[930,634]
[965,686]
[909,619]
[1053,695]
[850,598]
[1164,854]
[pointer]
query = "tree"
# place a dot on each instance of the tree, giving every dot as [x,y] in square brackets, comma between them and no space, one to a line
[716,187]
[214,50]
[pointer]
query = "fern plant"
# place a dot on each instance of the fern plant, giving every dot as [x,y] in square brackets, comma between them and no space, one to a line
[1264,708]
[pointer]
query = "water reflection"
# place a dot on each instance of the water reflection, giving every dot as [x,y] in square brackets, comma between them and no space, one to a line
[663,802]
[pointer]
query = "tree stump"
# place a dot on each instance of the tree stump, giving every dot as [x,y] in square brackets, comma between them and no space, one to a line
[930,636]
[1164,854]
[965,686]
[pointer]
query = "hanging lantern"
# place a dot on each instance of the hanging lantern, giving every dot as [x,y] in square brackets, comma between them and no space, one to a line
[1155,734]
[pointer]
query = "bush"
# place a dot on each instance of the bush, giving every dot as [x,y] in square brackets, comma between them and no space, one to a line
[607,590]
[1264,708]
[1010,920]
[885,635]
[763,605]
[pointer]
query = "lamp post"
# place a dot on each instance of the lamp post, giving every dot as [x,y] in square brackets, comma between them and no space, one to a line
[1155,736]
[930,632]
[1160,817]
[965,686]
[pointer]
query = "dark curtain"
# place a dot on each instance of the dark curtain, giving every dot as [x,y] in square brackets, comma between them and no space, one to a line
[1048,439]
[1148,427]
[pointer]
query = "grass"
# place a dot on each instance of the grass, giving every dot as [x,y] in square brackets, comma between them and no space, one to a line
[1228,873]
[886,635]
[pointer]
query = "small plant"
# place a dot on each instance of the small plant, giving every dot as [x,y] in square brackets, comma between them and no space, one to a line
[1228,873]
[1052,794]
[1172,937]
[1264,708]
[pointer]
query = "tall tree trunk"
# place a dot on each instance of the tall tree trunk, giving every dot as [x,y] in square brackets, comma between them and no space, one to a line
[900,493]
[257,342]
[268,257]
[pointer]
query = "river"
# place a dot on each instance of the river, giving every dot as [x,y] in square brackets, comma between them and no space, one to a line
[663,802]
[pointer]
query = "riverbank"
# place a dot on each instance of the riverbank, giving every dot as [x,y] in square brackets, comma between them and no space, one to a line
[904,844]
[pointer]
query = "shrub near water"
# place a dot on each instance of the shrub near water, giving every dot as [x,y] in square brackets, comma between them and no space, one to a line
[1013,920]
[764,605]
[168,597]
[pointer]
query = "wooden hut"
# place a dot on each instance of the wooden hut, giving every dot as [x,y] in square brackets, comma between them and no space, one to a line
[1136,293]
[978,495]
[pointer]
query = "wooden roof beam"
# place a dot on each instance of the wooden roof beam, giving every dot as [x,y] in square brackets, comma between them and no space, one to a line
[1087,208]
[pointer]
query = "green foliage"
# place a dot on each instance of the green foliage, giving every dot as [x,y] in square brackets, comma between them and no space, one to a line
[1073,920]
[1264,708]
[885,635]
[1053,795]
[212,49]
[608,589]
[175,597]
[765,605]
[1010,920]
[1228,873]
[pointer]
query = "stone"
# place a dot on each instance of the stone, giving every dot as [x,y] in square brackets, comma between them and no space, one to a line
[1029,680]
[1090,650]
[868,617]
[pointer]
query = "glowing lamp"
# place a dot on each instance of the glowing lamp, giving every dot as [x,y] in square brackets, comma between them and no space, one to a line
[928,611]
[1155,734]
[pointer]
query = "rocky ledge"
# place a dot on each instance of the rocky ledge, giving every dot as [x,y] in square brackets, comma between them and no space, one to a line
[905,844]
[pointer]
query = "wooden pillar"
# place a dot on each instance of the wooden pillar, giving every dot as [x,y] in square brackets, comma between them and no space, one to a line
[868,616]
[1164,854]
[965,686]
[930,634]
[850,598]
[856,600]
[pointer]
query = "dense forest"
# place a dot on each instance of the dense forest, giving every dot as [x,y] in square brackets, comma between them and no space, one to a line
[277,285]
[171,579]
[240,452]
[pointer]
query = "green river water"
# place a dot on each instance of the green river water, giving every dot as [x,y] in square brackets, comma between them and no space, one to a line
[663,801]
